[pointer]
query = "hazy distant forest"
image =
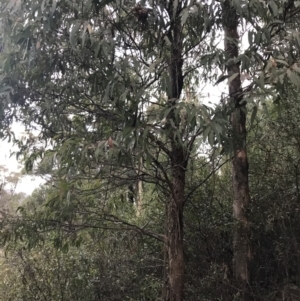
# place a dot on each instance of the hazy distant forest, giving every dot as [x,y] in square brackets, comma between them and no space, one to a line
[153,189]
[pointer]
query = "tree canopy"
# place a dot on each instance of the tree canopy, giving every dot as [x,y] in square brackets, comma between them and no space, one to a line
[135,155]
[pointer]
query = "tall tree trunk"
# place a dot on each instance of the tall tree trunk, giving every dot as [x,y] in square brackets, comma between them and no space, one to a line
[178,158]
[175,231]
[241,195]
[174,211]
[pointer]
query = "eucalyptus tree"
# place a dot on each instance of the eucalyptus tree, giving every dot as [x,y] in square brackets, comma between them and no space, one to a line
[84,73]
[269,37]
[241,194]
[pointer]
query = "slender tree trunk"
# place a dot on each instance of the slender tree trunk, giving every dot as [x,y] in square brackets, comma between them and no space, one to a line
[174,211]
[175,236]
[174,221]
[139,205]
[241,196]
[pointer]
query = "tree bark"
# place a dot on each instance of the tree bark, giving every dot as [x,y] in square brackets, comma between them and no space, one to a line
[241,195]
[139,205]
[174,231]
[174,289]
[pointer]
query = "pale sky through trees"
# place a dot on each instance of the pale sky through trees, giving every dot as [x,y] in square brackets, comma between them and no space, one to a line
[211,95]
[28,183]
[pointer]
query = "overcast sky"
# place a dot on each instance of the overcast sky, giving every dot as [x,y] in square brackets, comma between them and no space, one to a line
[27,183]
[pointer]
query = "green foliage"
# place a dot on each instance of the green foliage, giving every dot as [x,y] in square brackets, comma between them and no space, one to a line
[130,265]
[95,79]
[50,257]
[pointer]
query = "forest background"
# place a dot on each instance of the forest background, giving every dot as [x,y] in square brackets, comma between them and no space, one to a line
[151,193]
